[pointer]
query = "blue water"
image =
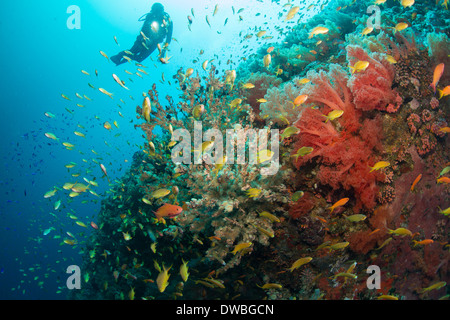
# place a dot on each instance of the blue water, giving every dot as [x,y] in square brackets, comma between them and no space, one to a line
[41,58]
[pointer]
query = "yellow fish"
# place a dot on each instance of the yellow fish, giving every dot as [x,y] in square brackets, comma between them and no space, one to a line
[345,275]
[387,297]
[338,246]
[271,286]
[400,26]
[205,64]
[120,82]
[298,263]
[126,236]
[81,224]
[356,217]
[264,155]
[253,192]
[289,131]
[444,92]
[379,165]
[79,134]
[391,59]
[219,165]
[303,81]
[104,54]
[359,66]
[109,94]
[332,115]
[68,145]
[317,30]
[269,216]
[261,33]
[367,30]
[407,3]
[268,233]
[303,151]
[184,271]
[70,242]
[235,102]
[292,12]
[162,279]
[51,136]
[50,193]
[297,195]
[240,247]
[401,232]
[435,286]
[248,85]
[131,294]
[160,193]
[445,211]
[198,110]
[267,60]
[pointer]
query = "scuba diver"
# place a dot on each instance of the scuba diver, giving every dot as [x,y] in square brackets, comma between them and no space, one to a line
[157,26]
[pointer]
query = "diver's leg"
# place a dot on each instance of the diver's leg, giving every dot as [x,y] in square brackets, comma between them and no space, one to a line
[142,55]
[118,58]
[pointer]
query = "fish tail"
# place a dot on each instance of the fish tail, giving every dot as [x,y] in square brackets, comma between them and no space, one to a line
[352,68]
[371,169]
[293,104]
[441,94]
[433,86]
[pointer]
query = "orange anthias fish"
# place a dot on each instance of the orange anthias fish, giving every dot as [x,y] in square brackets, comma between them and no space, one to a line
[169,211]
[443,180]
[416,181]
[338,204]
[423,242]
[438,71]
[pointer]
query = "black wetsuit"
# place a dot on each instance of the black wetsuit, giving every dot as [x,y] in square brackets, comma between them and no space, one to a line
[156,28]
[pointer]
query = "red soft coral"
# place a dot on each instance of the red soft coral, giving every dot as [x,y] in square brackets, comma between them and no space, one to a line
[344,148]
[371,88]
[330,89]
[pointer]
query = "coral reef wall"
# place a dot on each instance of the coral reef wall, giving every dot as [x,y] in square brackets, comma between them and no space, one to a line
[363,173]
